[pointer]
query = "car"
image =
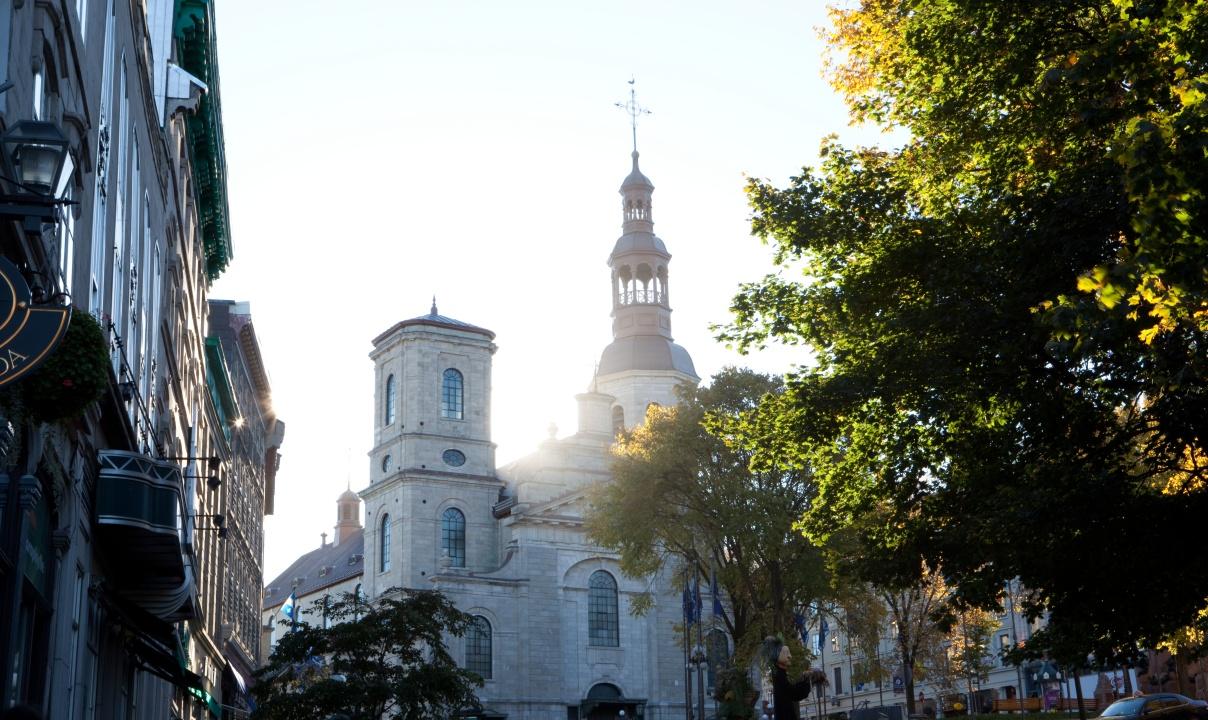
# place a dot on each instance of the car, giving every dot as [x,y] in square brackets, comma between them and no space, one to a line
[1158,706]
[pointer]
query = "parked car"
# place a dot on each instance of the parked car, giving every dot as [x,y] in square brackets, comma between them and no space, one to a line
[1159,706]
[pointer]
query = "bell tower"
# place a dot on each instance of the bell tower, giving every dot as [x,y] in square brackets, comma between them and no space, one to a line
[642,365]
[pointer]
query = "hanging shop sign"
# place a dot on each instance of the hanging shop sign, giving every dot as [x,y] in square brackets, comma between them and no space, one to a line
[28,332]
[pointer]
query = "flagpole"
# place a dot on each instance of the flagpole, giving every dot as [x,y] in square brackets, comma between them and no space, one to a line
[700,646]
[687,610]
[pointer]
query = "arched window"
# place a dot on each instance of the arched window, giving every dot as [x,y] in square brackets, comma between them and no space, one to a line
[388,418]
[478,647]
[602,626]
[452,395]
[718,649]
[618,420]
[453,536]
[384,544]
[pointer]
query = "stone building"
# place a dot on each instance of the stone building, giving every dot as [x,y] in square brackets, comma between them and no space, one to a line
[254,438]
[114,597]
[329,571]
[552,637]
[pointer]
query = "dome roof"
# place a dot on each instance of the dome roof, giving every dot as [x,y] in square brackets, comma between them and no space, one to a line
[636,179]
[645,352]
[349,496]
[639,242]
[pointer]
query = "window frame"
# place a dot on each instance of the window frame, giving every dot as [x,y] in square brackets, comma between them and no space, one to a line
[390,412]
[452,394]
[453,535]
[480,647]
[603,615]
[384,543]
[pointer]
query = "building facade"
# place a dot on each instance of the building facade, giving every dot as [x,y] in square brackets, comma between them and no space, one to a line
[114,549]
[552,636]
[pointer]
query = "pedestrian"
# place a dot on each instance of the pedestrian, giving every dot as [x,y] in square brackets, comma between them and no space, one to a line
[785,694]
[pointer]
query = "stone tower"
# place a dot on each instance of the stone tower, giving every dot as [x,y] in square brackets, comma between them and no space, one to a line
[433,463]
[642,365]
[348,515]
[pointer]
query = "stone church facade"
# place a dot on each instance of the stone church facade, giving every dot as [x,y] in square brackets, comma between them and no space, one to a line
[553,635]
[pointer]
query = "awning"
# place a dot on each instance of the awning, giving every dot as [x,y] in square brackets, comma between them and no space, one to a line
[153,643]
[212,705]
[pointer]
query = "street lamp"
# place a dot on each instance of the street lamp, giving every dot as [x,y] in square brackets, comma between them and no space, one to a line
[37,164]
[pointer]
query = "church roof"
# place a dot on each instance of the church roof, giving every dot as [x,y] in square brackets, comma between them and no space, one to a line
[435,319]
[645,352]
[635,177]
[639,241]
[318,569]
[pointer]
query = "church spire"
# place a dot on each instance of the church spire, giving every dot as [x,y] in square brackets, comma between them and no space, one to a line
[637,188]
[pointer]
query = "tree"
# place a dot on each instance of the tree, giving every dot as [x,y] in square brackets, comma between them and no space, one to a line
[918,640]
[1009,313]
[687,493]
[382,660]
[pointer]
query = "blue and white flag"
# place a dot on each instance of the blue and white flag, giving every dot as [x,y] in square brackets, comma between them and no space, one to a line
[289,609]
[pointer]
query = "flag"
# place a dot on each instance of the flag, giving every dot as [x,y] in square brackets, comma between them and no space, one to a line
[717,609]
[696,597]
[289,609]
[689,617]
[802,630]
[823,628]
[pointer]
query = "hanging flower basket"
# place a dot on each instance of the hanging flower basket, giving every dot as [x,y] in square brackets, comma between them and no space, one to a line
[73,377]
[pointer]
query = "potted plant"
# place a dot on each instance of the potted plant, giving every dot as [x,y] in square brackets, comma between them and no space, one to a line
[73,377]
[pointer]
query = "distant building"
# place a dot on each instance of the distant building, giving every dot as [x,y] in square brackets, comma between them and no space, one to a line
[325,573]
[552,636]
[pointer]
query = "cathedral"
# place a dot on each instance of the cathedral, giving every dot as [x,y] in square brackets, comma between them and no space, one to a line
[552,635]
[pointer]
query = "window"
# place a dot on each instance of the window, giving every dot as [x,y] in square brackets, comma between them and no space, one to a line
[387,463]
[618,420]
[389,415]
[384,544]
[454,458]
[452,395]
[835,642]
[838,681]
[602,625]
[39,94]
[453,536]
[478,647]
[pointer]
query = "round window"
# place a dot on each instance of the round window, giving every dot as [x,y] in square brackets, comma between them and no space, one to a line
[456,458]
[387,463]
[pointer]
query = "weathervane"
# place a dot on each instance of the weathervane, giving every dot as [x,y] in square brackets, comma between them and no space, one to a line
[634,111]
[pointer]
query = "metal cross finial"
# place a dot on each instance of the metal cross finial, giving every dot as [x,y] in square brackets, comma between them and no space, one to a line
[634,111]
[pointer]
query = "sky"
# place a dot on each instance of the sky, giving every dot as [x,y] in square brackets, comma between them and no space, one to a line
[383,152]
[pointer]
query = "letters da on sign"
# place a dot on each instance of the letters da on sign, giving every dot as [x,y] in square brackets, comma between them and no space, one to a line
[28,333]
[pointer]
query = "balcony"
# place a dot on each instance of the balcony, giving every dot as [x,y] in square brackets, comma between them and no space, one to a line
[140,515]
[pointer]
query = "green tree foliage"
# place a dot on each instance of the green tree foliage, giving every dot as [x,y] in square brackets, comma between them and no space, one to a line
[1010,312]
[686,491]
[382,660]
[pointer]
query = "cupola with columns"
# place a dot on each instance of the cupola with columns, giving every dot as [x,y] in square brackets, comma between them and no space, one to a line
[642,365]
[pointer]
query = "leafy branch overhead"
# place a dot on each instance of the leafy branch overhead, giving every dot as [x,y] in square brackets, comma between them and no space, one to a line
[688,496]
[1009,312]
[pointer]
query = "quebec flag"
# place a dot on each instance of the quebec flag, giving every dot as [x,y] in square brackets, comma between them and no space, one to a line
[287,607]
